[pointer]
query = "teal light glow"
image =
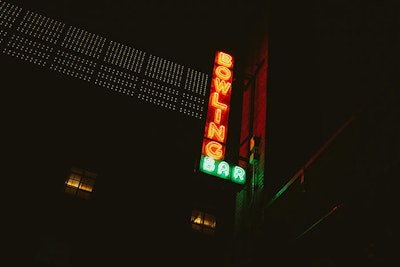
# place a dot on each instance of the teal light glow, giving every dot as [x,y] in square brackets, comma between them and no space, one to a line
[222,169]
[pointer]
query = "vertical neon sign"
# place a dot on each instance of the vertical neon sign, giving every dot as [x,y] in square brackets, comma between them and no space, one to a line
[215,133]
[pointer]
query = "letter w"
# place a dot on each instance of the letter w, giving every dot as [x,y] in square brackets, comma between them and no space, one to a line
[221,86]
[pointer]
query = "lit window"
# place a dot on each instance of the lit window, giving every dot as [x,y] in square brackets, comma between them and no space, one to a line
[80,183]
[203,222]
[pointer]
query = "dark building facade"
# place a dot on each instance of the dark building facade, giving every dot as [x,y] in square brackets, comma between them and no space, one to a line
[104,143]
[337,143]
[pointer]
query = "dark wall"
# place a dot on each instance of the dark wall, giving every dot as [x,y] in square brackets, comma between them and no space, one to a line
[293,114]
[343,56]
[327,61]
[143,156]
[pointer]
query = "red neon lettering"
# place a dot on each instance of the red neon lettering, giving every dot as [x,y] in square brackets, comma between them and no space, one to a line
[217,115]
[215,131]
[224,60]
[216,125]
[223,73]
[214,150]
[216,104]
[221,86]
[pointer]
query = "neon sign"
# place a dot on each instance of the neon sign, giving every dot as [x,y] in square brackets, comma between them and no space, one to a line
[222,169]
[215,133]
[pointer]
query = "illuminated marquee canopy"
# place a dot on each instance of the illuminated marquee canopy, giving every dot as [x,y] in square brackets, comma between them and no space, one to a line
[215,134]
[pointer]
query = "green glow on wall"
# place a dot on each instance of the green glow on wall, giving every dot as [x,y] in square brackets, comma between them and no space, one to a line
[222,169]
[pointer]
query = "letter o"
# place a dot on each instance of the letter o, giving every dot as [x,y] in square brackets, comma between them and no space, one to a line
[223,73]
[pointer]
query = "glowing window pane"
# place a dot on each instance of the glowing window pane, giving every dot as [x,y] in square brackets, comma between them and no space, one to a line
[74,180]
[209,220]
[80,183]
[203,222]
[86,187]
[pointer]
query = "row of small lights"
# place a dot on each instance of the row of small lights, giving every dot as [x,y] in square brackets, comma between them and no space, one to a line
[171,73]
[41,27]
[73,65]
[120,55]
[116,87]
[28,50]
[157,101]
[2,34]
[19,42]
[118,73]
[190,107]
[8,14]
[25,57]
[75,62]
[196,82]
[70,72]
[166,89]
[124,56]
[197,101]
[191,112]
[89,44]
[158,94]
[116,77]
